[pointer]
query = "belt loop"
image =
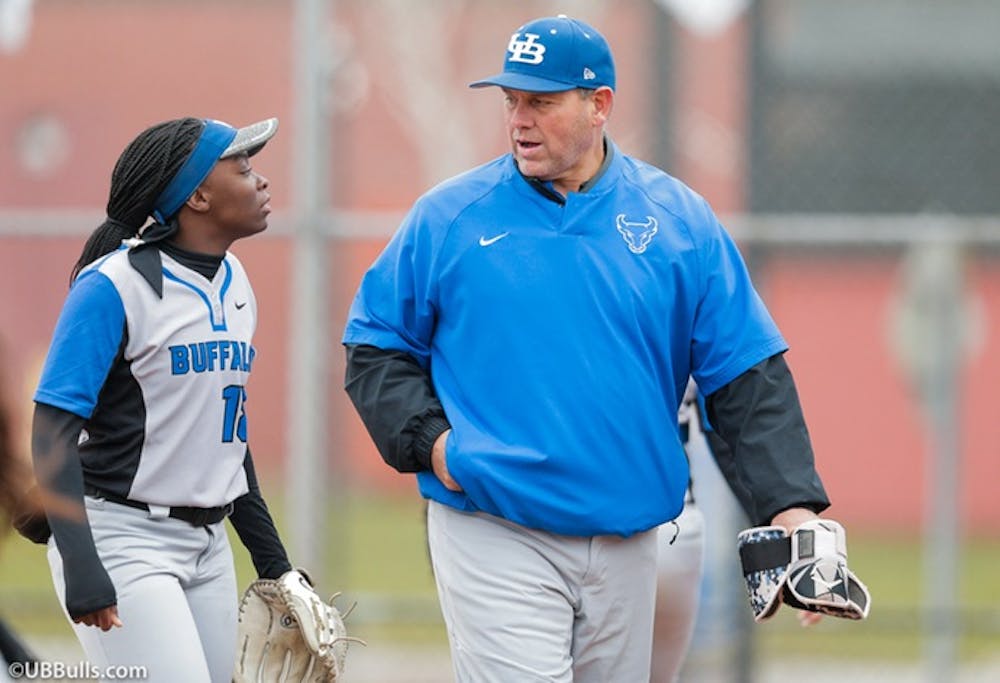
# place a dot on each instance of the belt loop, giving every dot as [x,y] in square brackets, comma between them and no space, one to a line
[158,511]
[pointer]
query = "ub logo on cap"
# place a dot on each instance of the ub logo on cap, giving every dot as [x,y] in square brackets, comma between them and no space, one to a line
[529,50]
[553,54]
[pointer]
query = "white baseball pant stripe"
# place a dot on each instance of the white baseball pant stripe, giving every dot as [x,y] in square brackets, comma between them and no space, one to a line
[531,606]
[177,595]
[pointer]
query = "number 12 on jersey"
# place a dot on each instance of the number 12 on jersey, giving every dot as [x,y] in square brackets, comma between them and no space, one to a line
[234,419]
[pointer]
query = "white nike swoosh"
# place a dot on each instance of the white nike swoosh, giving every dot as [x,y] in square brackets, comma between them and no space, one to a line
[483,242]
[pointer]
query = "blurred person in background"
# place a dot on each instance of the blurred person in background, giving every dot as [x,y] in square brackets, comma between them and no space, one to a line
[523,344]
[140,410]
[14,477]
[680,558]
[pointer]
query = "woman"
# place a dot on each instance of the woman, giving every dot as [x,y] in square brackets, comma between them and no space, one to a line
[139,413]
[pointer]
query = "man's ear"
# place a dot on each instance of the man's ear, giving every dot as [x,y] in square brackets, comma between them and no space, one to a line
[200,200]
[604,99]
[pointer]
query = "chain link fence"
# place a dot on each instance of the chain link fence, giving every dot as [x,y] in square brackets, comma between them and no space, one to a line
[875,107]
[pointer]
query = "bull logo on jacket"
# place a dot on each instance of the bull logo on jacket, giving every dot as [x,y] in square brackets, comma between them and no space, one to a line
[637,235]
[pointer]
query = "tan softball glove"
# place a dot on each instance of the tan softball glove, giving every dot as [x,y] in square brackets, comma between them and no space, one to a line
[286,632]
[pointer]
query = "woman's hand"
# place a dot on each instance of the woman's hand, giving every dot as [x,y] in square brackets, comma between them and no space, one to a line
[102,618]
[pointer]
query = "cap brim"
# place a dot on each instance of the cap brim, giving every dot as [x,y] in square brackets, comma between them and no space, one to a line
[516,81]
[250,139]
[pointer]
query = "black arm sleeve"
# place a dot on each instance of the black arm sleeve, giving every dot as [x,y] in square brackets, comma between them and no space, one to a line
[769,460]
[254,525]
[56,459]
[397,403]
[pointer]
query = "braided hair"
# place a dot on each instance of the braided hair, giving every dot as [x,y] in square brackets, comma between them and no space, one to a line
[142,172]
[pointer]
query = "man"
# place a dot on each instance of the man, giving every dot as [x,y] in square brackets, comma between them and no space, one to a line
[523,344]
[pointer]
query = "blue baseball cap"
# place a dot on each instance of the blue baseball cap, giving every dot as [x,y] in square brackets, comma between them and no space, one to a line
[553,54]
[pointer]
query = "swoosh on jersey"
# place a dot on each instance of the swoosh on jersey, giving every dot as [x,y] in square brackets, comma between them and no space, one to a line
[483,242]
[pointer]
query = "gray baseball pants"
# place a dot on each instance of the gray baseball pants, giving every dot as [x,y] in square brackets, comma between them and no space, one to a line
[531,606]
[177,596]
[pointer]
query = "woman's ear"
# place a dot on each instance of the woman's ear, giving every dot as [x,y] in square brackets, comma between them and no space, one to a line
[200,200]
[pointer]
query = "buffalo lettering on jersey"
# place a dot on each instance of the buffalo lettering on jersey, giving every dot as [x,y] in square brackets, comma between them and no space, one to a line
[209,356]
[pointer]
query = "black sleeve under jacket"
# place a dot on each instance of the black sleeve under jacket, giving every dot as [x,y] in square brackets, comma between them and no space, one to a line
[763,447]
[395,398]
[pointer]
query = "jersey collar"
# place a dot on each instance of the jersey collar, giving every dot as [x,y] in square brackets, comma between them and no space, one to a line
[544,187]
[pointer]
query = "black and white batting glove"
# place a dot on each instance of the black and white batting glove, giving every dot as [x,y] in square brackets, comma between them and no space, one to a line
[764,554]
[807,570]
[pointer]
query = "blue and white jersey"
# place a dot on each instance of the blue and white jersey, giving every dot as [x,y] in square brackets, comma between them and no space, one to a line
[160,382]
[560,338]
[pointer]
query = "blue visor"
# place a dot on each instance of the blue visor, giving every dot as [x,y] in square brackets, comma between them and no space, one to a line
[214,140]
